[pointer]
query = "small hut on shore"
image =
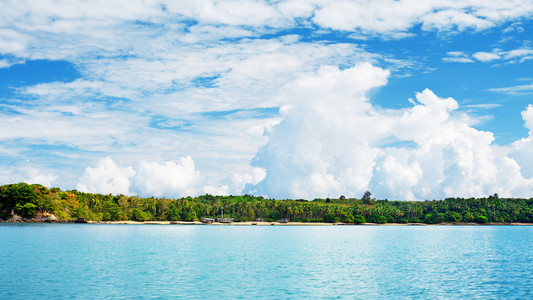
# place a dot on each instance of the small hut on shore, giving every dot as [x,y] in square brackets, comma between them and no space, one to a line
[224,220]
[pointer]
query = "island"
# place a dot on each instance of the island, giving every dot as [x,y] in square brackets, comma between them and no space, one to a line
[22,202]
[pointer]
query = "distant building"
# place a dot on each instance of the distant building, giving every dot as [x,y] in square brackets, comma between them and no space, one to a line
[284,220]
[207,220]
[224,220]
[259,220]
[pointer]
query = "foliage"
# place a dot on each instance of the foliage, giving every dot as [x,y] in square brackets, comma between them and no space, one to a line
[359,219]
[12,195]
[28,200]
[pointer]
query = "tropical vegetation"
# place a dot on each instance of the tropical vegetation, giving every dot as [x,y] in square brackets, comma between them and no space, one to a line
[27,201]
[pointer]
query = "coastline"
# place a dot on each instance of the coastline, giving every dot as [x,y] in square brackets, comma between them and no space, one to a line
[127,222]
[297,223]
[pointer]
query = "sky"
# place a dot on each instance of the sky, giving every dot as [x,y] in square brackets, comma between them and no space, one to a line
[300,99]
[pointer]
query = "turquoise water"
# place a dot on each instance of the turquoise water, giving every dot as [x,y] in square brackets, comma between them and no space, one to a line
[272,262]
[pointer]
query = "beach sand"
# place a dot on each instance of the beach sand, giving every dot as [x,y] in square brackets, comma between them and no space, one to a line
[200,223]
[290,223]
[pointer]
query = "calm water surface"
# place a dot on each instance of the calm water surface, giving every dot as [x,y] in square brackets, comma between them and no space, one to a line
[272,262]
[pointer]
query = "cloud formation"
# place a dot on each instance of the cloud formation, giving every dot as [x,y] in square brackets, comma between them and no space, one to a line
[106,178]
[202,80]
[525,89]
[519,55]
[171,178]
[333,141]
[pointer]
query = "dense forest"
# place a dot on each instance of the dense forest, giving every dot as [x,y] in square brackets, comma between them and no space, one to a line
[29,201]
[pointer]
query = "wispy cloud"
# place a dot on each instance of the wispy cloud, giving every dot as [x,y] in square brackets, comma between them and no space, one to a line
[457,56]
[511,56]
[526,89]
[483,106]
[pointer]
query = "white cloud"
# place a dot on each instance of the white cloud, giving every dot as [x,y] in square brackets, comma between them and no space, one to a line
[49,29]
[387,16]
[140,63]
[458,59]
[106,178]
[511,56]
[302,156]
[219,191]
[172,178]
[522,150]
[239,12]
[457,56]
[35,176]
[446,19]
[240,180]
[331,138]
[518,53]
[4,63]
[483,106]
[31,175]
[12,41]
[526,89]
[178,178]
[485,56]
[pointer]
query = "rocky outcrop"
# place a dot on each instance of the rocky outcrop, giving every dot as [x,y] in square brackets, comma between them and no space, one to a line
[45,217]
[39,218]
[15,218]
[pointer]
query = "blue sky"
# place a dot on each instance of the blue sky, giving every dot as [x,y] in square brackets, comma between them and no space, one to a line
[287,99]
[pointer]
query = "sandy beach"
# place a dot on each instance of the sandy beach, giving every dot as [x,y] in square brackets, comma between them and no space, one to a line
[214,223]
[295,223]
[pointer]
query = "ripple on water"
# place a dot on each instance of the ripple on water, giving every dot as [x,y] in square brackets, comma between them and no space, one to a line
[234,262]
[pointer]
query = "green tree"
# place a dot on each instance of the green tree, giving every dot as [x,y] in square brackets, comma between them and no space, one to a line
[377,219]
[27,210]
[367,197]
[359,219]
[330,218]
[139,215]
[482,219]
[13,194]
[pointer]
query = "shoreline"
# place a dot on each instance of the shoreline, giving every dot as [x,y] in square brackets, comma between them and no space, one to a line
[296,223]
[127,222]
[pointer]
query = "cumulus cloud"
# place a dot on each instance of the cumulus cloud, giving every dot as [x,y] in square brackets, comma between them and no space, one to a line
[177,178]
[522,150]
[172,178]
[106,178]
[35,176]
[176,74]
[30,175]
[333,141]
[305,150]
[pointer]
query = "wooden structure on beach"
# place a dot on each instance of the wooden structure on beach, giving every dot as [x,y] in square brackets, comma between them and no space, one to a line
[224,220]
[207,220]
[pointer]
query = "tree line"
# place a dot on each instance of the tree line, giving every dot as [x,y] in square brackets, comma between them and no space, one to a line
[29,201]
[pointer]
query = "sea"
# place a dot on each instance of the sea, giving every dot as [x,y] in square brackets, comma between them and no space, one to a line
[101,261]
